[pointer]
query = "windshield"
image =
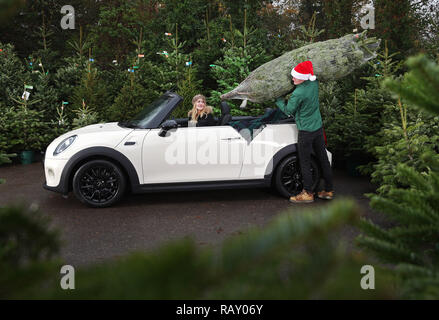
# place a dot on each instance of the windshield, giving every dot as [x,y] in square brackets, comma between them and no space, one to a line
[143,119]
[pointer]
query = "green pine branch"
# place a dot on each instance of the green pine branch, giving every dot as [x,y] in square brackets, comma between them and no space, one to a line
[420,84]
[388,251]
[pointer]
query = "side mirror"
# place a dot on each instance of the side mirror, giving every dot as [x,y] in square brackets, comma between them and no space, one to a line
[166,126]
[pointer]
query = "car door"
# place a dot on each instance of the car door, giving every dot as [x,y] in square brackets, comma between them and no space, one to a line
[261,150]
[192,154]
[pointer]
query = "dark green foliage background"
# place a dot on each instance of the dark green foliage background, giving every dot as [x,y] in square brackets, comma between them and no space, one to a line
[224,40]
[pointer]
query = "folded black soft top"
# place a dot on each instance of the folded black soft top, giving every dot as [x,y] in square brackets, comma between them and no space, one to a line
[249,129]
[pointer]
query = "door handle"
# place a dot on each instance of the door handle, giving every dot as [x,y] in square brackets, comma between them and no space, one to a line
[229,139]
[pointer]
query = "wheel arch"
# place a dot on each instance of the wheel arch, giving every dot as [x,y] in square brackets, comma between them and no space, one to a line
[277,159]
[98,153]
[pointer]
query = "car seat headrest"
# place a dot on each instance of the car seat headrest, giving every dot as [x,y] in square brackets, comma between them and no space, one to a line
[225,109]
[267,111]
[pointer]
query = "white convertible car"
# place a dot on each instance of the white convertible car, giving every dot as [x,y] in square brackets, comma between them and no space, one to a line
[153,153]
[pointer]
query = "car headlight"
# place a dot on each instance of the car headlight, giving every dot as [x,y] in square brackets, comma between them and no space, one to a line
[64,145]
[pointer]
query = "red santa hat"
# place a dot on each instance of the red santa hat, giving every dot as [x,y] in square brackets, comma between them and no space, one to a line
[304,71]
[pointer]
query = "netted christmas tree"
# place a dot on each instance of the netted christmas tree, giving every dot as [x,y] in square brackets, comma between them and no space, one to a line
[412,243]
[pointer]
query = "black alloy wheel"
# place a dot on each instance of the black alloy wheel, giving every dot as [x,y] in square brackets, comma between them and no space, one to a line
[288,177]
[99,183]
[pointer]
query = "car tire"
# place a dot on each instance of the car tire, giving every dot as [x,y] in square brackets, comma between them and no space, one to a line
[288,178]
[99,183]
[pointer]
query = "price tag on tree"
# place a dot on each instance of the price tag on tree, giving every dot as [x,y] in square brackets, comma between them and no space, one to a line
[25,95]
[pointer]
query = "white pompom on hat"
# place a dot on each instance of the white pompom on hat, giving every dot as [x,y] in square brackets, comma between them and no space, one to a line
[304,71]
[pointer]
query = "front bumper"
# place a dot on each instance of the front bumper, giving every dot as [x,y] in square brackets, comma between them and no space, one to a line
[53,170]
[57,189]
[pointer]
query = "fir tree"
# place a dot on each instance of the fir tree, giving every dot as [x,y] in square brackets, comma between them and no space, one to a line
[130,101]
[24,129]
[406,133]
[91,90]
[13,75]
[420,85]
[155,78]
[68,77]
[354,126]
[187,89]
[233,68]
[47,94]
[411,244]
[85,115]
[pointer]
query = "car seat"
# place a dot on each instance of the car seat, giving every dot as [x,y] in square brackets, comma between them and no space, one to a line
[225,114]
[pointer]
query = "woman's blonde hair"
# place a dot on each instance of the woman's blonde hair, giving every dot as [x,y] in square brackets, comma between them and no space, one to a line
[193,112]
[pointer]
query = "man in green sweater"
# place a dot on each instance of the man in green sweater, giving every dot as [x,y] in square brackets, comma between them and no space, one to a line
[304,106]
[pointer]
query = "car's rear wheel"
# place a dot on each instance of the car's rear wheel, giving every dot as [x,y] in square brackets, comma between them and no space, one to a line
[99,183]
[288,177]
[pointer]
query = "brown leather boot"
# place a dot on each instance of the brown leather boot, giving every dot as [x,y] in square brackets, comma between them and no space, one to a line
[327,195]
[303,197]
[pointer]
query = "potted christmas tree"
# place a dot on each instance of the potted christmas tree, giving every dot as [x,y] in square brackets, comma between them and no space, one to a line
[26,127]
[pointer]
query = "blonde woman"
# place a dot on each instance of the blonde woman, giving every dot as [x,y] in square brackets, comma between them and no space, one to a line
[201,113]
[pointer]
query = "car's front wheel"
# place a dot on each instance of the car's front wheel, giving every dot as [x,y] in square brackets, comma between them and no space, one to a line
[288,178]
[99,183]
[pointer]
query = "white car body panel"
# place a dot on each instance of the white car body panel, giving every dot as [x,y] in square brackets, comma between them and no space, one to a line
[209,153]
[53,170]
[134,152]
[264,146]
[176,157]
[104,134]
[193,154]
[101,134]
[261,150]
